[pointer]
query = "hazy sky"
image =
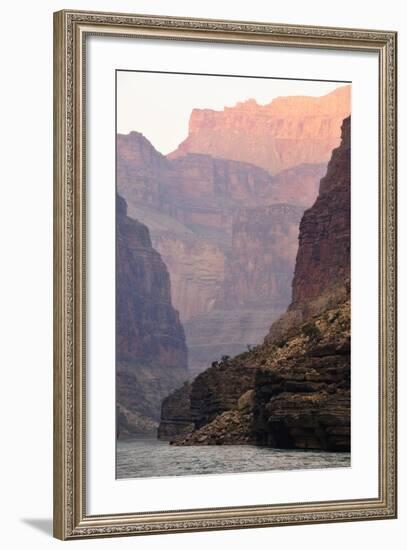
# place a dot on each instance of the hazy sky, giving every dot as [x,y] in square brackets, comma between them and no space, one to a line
[159,105]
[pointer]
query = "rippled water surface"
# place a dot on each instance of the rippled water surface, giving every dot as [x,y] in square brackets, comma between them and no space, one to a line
[152,458]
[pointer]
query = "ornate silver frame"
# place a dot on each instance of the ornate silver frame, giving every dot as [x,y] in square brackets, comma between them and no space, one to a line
[70,518]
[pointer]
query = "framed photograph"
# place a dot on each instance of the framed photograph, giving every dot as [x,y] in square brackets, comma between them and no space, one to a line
[225,274]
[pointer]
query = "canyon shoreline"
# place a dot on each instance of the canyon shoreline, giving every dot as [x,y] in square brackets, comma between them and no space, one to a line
[213,345]
[292,391]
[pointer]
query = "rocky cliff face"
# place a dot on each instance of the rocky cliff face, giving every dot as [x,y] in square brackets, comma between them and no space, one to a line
[256,285]
[299,185]
[209,395]
[262,257]
[195,190]
[196,266]
[140,170]
[151,354]
[324,248]
[176,414]
[211,220]
[189,205]
[300,394]
[324,244]
[285,133]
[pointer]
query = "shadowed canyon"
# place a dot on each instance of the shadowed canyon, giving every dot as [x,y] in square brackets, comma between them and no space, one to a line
[239,237]
[293,390]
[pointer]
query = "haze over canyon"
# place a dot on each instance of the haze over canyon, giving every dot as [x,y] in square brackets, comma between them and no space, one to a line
[207,246]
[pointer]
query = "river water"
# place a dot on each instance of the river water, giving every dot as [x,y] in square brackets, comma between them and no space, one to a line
[153,458]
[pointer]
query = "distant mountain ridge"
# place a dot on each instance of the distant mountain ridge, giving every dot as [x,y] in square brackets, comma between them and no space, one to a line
[287,132]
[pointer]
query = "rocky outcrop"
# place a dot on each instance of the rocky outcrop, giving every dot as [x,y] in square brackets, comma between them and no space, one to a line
[228,428]
[303,389]
[303,394]
[175,414]
[322,271]
[151,354]
[211,393]
[282,134]
[219,388]
[232,427]
[226,332]
[299,396]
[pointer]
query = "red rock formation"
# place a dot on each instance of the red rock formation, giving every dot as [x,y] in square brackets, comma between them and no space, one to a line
[256,288]
[262,257]
[195,190]
[298,185]
[196,266]
[189,205]
[324,248]
[151,354]
[287,132]
[202,176]
[301,388]
[198,189]
[303,391]
[140,169]
[322,270]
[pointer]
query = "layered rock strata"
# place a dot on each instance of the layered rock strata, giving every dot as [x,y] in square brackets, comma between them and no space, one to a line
[189,205]
[151,354]
[303,390]
[282,134]
[211,393]
[256,286]
[300,394]
[262,257]
[300,397]
[175,414]
[322,270]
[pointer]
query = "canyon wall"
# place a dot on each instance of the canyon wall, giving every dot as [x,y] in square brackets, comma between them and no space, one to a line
[324,244]
[256,286]
[296,392]
[285,133]
[215,391]
[151,354]
[299,390]
[226,229]
[262,257]
[189,205]
[302,392]
[298,185]
[196,266]
[209,219]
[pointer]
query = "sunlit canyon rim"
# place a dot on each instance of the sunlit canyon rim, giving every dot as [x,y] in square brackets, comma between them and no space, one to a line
[233,279]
